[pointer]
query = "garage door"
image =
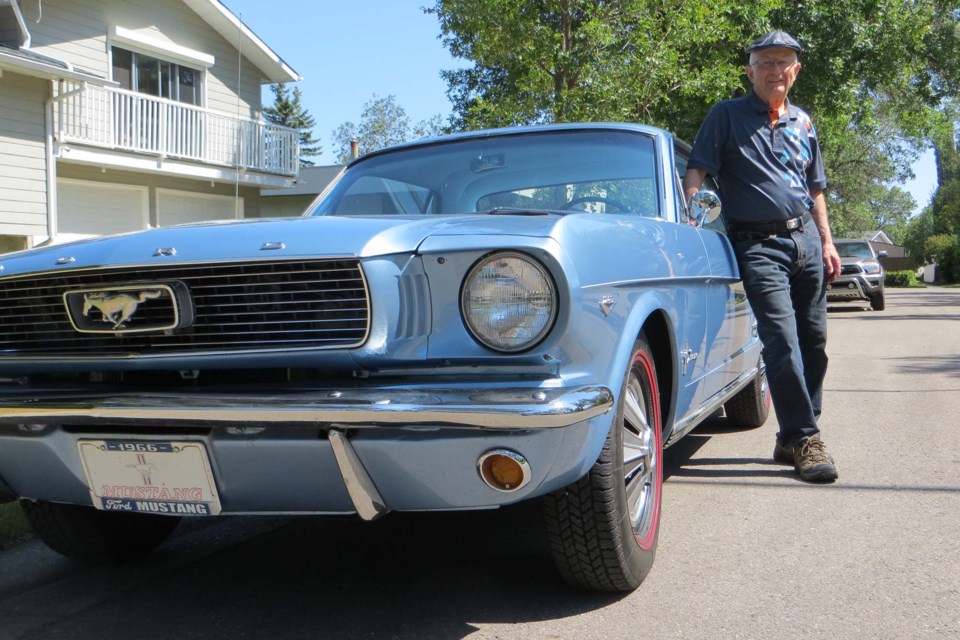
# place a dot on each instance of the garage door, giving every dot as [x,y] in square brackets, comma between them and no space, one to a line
[99,208]
[179,207]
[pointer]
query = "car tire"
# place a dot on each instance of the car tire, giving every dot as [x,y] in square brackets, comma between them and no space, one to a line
[86,534]
[603,528]
[877,302]
[751,406]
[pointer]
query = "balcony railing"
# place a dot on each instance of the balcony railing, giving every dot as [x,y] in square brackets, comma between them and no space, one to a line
[129,121]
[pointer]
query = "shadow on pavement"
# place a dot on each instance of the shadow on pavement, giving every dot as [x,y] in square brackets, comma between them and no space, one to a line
[425,575]
[679,461]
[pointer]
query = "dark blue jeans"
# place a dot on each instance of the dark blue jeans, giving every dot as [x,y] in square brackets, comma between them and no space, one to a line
[784,282]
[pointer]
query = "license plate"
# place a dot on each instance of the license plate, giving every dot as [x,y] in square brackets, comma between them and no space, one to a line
[167,478]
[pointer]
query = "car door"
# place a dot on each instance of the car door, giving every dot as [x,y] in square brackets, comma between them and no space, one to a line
[729,321]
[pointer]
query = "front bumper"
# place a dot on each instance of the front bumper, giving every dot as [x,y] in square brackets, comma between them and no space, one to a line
[858,287]
[503,408]
[350,451]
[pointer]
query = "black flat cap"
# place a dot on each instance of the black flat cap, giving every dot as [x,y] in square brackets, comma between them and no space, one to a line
[775,39]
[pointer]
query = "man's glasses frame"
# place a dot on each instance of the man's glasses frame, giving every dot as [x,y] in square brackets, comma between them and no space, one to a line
[770,65]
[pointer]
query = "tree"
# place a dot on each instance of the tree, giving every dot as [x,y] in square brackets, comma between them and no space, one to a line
[874,73]
[287,111]
[945,207]
[941,243]
[383,123]
[570,60]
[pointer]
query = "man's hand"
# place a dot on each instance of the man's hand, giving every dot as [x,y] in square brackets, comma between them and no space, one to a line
[831,259]
[831,262]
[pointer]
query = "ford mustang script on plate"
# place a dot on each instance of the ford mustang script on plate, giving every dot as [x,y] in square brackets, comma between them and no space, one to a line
[459,323]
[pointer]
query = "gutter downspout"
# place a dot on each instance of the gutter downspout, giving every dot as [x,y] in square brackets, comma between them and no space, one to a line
[50,159]
[27,39]
[51,165]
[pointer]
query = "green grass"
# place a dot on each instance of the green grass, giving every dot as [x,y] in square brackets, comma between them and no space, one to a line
[13,526]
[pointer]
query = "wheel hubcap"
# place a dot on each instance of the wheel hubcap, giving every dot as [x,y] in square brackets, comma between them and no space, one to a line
[639,459]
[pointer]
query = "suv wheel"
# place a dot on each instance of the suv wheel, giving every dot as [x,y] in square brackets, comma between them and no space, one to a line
[876,301]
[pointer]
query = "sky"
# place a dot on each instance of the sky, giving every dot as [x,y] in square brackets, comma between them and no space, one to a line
[347,52]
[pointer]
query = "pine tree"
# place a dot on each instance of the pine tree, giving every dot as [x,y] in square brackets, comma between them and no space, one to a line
[287,111]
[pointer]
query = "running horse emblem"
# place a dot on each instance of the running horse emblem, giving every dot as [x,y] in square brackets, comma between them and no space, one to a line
[116,308]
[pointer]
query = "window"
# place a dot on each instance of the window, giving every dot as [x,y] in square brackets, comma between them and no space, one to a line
[681,157]
[595,196]
[146,74]
[597,171]
[377,196]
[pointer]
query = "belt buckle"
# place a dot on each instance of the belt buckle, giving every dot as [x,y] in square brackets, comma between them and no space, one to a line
[793,223]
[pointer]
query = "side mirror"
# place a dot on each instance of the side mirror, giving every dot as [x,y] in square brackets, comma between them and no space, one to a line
[704,207]
[882,254]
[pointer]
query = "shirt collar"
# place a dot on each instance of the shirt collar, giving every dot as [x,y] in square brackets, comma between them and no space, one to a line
[762,107]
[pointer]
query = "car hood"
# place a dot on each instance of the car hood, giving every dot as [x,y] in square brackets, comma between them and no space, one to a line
[271,239]
[857,260]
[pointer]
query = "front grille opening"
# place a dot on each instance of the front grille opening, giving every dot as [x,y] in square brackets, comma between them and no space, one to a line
[244,306]
[258,379]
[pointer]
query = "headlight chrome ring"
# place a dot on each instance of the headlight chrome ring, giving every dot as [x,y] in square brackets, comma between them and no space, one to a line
[508,302]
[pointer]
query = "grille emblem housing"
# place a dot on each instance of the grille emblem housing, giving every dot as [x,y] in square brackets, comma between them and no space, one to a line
[134,308]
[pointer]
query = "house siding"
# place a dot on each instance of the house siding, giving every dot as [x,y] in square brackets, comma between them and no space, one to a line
[23,180]
[78,31]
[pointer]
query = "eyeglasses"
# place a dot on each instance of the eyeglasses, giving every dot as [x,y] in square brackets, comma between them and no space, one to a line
[770,65]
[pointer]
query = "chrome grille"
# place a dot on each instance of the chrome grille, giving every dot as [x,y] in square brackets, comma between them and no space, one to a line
[238,306]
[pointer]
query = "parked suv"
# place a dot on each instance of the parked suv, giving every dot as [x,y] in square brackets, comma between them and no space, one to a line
[861,275]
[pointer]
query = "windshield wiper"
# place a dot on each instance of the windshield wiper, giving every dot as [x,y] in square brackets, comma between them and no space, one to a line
[512,211]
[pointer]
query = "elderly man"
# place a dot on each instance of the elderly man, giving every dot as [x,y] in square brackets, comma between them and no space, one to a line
[763,151]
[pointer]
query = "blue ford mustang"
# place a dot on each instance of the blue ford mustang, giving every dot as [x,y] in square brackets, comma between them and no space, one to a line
[458,323]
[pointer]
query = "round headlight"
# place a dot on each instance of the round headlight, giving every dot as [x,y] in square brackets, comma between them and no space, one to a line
[508,302]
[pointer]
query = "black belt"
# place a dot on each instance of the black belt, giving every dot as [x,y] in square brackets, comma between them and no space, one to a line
[778,226]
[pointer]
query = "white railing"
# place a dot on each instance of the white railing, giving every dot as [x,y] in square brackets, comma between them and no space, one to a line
[120,119]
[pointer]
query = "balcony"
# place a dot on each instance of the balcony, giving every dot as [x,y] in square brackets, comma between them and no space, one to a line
[123,120]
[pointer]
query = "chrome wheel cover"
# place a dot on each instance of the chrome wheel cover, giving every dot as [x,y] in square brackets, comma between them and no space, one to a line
[640,458]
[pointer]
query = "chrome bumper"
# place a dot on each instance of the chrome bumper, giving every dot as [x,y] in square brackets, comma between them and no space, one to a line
[359,463]
[517,408]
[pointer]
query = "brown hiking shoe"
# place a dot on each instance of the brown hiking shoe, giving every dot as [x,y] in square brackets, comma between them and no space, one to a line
[783,454]
[810,458]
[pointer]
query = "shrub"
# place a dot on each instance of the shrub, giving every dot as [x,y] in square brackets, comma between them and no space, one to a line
[900,279]
[944,249]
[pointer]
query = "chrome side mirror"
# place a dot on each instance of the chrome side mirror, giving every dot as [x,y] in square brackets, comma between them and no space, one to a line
[704,207]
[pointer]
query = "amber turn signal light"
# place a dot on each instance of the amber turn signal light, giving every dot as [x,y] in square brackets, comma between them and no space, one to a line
[504,470]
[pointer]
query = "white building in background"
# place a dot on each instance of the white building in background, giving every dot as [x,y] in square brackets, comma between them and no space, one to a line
[118,115]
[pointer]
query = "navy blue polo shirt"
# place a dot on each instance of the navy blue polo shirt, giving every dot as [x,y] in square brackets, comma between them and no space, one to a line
[765,172]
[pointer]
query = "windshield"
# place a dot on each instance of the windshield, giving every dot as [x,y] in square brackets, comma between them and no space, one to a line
[854,250]
[586,170]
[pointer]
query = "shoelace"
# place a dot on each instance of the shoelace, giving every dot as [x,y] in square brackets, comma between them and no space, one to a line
[814,451]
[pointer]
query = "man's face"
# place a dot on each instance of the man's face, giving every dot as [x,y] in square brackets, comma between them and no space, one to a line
[772,72]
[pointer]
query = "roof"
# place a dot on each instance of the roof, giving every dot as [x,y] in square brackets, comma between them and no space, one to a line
[219,17]
[311,182]
[238,34]
[524,129]
[34,64]
[873,236]
[878,236]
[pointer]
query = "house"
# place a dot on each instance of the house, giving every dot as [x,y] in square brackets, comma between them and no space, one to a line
[881,242]
[118,115]
[294,202]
